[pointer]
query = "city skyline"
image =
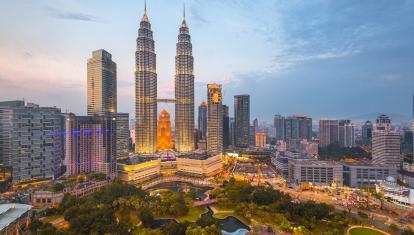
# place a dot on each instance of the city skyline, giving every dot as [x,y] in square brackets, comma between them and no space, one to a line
[292,66]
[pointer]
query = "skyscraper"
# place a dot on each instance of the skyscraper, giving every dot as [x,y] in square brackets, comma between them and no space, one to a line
[386,148]
[328,132]
[31,140]
[383,122]
[122,134]
[367,133]
[101,76]
[164,136]
[202,119]
[184,92]
[145,90]
[346,134]
[298,127]
[90,144]
[241,120]
[231,130]
[279,125]
[214,119]
[226,126]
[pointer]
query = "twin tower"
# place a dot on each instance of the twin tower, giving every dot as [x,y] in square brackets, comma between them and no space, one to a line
[146,91]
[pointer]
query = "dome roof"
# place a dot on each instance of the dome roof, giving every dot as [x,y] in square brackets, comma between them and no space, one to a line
[390,179]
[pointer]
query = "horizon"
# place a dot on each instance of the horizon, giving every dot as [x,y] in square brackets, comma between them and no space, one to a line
[322,59]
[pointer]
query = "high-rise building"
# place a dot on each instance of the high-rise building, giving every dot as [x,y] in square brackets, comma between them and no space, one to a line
[367,133]
[31,140]
[279,125]
[241,120]
[231,130]
[328,132]
[184,92]
[164,136]
[260,138]
[90,144]
[346,135]
[226,126]
[202,119]
[145,90]
[101,76]
[298,127]
[386,143]
[383,122]
[214,119]
[122,134]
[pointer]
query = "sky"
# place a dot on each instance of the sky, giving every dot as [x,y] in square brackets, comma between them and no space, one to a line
[324,59]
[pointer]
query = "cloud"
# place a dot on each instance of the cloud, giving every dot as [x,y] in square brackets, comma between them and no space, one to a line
[65,15]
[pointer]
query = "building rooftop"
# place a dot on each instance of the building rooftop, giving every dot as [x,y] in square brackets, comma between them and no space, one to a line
[11,212]
[134,160]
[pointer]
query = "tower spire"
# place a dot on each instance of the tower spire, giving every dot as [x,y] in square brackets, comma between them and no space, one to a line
[145,16]
[184,11]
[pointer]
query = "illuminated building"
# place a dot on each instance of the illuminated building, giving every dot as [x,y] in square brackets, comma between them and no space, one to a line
[242,120]
[164,137]
[145,90]
[90,144]
[184,92]
[260,138]
[138,169]
[30,140]
[202,119]
[199,164]
[328,132]
[101,74]
[214,119]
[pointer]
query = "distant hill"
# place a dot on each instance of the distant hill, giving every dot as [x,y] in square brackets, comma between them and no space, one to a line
[396,118]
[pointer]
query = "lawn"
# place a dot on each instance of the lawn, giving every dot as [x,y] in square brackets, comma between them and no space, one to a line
[364,231]
[194,213]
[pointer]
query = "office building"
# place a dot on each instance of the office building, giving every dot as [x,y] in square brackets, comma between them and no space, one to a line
[214,119]
[231,130]
[199,164]
[226,126]
[260,139]
[280,160]
[367,129]
[184,92]
[122,134]
[363,174]
[101,76]
[90,145]
[30,140]
[319,173]
[242,120]
[346,134]
[202,119]
[328,132]
[145,90]
[279,125]
[386,148]
[298,127]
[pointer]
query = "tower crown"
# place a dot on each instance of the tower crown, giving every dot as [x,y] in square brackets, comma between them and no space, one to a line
[145,16]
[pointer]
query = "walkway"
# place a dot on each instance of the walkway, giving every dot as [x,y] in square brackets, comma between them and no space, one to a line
[168,179]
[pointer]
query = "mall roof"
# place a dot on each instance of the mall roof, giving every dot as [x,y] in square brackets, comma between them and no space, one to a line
[11,212]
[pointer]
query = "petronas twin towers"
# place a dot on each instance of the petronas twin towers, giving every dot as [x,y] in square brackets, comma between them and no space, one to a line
[146,91]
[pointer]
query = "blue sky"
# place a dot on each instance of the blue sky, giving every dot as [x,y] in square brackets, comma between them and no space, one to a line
[339,58]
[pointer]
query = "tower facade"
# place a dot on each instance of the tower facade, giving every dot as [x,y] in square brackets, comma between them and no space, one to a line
[184,92]
[328,132]
[101,76]
[145,90]
[214,119]
[242,120]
